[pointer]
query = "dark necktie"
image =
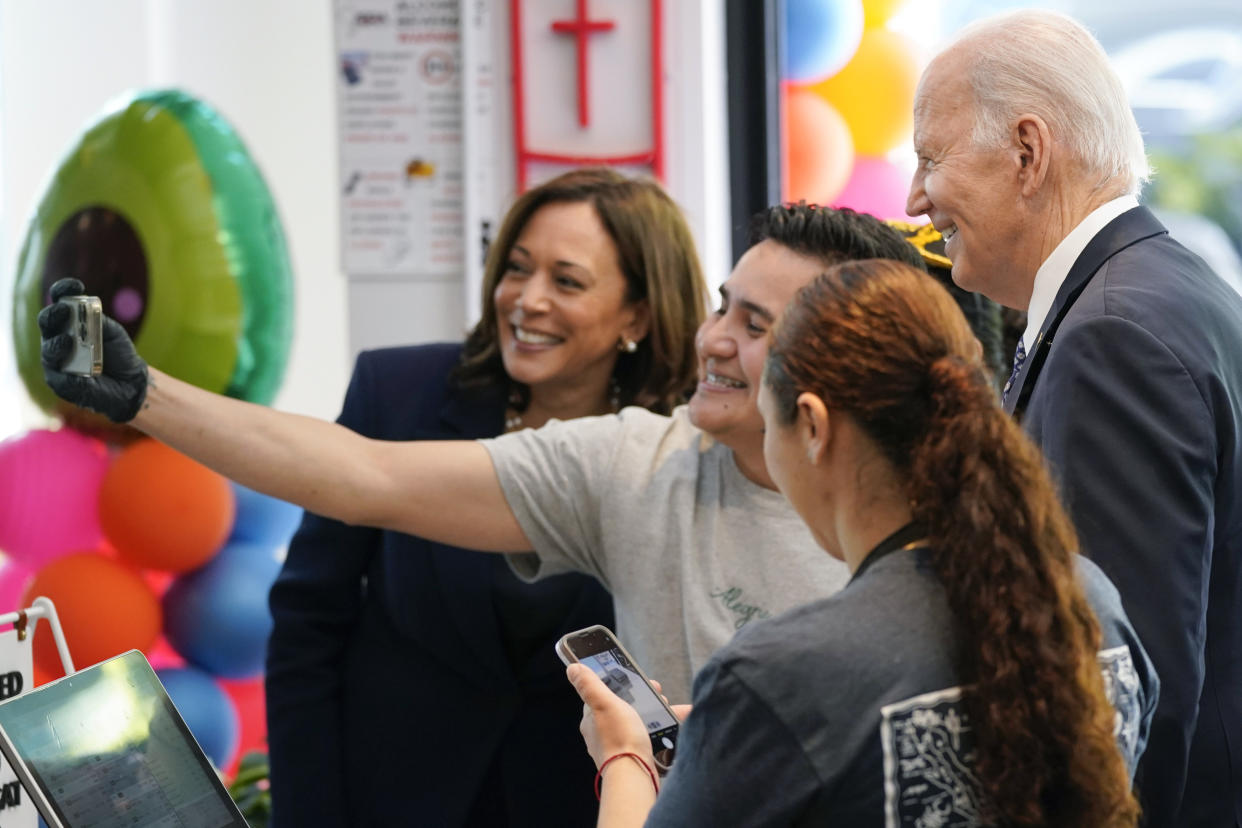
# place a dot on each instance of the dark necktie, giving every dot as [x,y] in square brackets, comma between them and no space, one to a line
[1019,357]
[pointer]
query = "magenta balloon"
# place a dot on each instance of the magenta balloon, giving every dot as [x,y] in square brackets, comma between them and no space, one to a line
[49,495]
[877,187]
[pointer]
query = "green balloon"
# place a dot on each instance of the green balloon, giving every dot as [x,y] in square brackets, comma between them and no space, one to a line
[160,211]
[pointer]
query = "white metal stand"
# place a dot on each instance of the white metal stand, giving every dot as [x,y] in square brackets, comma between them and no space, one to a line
[26,620]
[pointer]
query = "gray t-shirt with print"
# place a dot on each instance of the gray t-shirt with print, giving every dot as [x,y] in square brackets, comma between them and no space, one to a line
[690,549]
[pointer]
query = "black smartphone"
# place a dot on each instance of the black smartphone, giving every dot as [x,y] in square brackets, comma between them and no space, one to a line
[598,648]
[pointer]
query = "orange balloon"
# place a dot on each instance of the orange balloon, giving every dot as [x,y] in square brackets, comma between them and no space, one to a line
[104,606]
[162,510]
[875,91]
[42,677]
[819,153]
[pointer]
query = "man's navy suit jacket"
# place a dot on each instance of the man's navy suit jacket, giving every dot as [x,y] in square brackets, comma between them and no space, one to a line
[389,704]
[1138,409]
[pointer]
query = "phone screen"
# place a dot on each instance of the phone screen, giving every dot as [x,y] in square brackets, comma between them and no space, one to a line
[596,649]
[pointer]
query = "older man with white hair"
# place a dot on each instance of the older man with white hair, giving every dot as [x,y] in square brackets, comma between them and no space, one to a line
[1129,374]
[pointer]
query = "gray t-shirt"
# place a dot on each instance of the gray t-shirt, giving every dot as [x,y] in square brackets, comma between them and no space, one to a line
[848,711]
[690,549]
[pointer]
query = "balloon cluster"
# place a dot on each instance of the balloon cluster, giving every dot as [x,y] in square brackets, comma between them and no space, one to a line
[160,211]
[849,84]
[142,548]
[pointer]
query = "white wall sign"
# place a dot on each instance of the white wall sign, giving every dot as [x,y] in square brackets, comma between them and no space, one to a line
[16,675]
[399,93]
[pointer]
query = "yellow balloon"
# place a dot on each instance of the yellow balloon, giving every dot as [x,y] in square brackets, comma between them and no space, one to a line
[876,13]
[874,93]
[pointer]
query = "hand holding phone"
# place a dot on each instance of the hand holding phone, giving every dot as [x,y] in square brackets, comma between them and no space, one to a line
[596,647]
[91,366]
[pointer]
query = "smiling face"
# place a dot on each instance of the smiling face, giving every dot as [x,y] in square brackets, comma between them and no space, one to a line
[733,343]
[971,194]
[560,304]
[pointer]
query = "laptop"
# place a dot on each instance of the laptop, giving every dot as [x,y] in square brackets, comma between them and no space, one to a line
[106,748]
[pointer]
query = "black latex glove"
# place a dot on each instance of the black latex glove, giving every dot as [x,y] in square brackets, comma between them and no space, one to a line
[118,392]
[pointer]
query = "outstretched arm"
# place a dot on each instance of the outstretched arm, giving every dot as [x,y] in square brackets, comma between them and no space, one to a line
[443,491]
[446,491]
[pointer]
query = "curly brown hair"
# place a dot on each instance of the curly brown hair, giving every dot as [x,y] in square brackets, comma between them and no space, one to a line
[657,256]
[887,346]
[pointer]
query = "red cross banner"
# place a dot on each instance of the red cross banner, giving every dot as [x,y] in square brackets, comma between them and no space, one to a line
[587,85]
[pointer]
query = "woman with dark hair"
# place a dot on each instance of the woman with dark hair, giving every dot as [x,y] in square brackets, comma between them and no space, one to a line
[655,253]
[974,671]
[409,682]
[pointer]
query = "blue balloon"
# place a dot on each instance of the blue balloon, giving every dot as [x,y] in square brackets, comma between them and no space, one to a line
[216,617]
[263,519]
[207,709]
[820,37]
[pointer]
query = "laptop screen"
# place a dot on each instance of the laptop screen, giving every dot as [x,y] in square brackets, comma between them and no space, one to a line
[106,747]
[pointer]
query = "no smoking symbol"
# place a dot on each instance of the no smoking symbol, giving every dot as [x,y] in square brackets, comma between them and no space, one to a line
[438,66]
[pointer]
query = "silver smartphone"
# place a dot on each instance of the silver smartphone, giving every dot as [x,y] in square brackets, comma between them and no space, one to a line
[85,325]
[598,648]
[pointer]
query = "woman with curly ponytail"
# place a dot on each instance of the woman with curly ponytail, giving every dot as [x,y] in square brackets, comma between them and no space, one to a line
[975,671]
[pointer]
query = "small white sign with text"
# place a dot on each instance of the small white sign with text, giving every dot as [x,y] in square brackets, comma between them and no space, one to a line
[16,675]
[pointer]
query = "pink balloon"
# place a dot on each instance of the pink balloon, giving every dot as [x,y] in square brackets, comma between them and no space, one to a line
[162,655]
[13,580]
[818,149]
[877,187]
[49,493]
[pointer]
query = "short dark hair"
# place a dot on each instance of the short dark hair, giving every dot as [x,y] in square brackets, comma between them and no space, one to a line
[831,235]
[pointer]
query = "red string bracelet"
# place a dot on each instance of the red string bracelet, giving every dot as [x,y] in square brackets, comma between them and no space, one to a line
[640,760]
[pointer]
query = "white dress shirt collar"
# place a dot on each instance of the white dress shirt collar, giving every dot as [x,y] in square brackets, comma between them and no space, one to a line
[1052,273]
